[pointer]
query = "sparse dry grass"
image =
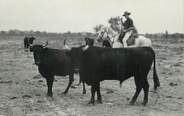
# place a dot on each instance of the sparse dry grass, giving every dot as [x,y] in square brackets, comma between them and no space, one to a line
[21,93]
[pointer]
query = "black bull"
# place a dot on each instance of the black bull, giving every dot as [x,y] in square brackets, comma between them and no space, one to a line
[28,41]
[98,64]
[53,62]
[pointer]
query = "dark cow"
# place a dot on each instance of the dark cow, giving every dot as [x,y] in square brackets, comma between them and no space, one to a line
[89,41]
[106,44]
[28,41]
[52,62]
[97,64]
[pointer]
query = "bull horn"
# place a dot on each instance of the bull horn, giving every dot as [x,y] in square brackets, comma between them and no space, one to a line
[66,46]
[85,48]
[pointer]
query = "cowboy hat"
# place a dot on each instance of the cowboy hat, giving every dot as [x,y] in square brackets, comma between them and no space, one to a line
[126,13]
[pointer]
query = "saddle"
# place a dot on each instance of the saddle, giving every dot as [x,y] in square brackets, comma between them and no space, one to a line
[131,39]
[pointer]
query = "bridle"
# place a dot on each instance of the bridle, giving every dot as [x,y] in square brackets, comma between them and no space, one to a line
[102,34]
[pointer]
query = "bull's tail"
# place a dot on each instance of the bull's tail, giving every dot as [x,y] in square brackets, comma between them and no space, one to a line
[155,76]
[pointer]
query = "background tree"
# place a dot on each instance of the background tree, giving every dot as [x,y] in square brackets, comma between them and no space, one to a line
[97,28]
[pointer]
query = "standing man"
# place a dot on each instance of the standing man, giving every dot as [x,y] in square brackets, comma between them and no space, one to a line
[128,28]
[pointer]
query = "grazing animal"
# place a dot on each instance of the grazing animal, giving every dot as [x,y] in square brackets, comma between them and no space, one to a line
[28,41]
[52,62]
[97,64]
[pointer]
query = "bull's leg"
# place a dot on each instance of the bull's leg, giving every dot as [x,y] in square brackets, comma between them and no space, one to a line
[92,101]
[84,88]
[138,90]
[69,83]
[99,97]
[146,89]
[50,81]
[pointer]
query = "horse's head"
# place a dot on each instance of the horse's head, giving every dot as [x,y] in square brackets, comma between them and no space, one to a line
[102,35]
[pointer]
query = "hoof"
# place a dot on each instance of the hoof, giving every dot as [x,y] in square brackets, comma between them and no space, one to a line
[84,92]
[50,98]
[99,101]
[78,84]
[131,103]
[73,87]
[144,103]
[64,93]
[91,103]
[49,95]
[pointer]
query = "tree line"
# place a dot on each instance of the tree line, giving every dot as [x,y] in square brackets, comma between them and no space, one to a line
[114,23]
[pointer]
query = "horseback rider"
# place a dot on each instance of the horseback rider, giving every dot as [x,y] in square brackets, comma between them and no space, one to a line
[128,29]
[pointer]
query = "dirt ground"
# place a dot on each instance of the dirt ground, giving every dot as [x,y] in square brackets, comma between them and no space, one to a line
[23,90]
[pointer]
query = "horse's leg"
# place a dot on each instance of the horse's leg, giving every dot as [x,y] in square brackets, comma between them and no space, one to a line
[126,37]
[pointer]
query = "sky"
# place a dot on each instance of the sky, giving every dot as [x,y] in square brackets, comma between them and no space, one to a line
[149,16]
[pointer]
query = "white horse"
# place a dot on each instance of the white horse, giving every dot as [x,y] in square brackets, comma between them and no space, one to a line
[108,34]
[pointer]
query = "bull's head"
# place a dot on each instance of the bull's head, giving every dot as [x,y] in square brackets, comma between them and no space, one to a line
[89,42]
[37,52]
[75,53]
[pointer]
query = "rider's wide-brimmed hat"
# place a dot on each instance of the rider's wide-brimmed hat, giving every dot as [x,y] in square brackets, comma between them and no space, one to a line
[126,13]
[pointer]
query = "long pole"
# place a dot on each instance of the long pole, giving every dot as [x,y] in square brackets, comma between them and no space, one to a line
[121,24]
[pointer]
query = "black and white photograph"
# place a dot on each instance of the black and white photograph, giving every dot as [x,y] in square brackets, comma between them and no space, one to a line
[91,57]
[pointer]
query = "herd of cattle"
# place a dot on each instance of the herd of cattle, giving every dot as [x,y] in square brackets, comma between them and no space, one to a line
[95,64]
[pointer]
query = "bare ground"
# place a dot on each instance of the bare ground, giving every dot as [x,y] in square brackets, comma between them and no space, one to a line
[23,90]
